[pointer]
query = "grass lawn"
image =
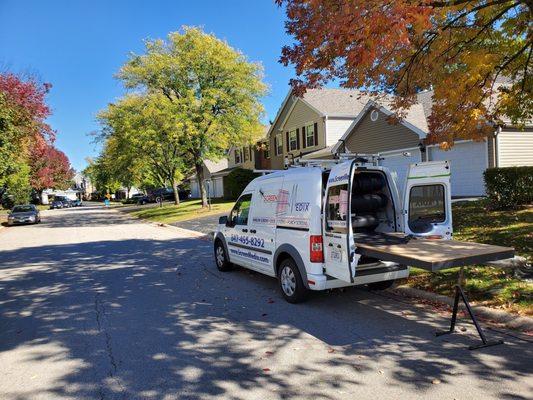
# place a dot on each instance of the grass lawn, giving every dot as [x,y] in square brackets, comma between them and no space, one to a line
[189,209]
[490,286]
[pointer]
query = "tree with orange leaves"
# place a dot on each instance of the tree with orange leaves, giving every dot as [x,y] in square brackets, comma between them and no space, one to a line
[474,55]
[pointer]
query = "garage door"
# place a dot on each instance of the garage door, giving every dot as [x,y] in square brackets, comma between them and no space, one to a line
[218,187]
[399,164]
[468,161]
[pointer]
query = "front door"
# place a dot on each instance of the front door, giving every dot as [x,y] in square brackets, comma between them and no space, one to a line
[237,231]
[427,207]
[338,238]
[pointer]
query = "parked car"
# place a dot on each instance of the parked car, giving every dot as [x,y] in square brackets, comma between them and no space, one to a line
[161,194]
[24,214]
[76,203]
[167,194]
[56,203]
[344,223]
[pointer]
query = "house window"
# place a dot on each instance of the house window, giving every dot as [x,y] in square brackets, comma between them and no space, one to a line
[266,150]
[237,156]
[310,135]
[279,144]
[293,140]
[245,149]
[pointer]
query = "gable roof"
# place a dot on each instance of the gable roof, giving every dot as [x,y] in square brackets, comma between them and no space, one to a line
[415,120]
[215,166]
[331,102]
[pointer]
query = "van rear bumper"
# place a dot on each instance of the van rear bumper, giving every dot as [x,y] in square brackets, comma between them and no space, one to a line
[384,272]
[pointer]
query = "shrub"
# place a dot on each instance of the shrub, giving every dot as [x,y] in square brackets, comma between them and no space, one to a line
[509,187]
[236,181]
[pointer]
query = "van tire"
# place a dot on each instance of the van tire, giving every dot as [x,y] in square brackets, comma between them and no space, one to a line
[290,282]
[221,257]
[383,285]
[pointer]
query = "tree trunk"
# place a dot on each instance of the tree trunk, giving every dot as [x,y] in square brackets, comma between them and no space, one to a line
[201,186]
[176,194]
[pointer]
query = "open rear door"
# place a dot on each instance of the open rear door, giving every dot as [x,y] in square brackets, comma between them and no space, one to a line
[427,206]
[338,239]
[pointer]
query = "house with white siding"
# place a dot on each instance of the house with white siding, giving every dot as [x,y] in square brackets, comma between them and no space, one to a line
[324,122]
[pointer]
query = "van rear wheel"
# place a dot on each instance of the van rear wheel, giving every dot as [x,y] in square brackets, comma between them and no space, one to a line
[291,283]
[221,258]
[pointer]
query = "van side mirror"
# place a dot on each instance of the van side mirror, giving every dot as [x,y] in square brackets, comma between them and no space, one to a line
[223,220]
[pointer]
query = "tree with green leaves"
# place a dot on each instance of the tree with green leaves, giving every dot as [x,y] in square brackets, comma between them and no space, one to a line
[142,137]
[212,91]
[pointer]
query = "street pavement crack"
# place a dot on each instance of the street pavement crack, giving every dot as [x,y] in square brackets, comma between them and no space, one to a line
[100,315]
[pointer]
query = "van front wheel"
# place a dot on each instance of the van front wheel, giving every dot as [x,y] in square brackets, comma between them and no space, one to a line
[291,283]
[221,258]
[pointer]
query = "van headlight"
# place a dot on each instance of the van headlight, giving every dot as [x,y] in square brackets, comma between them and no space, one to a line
[32,217]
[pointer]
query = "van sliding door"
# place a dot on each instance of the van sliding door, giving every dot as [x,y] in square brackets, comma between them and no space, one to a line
[338,240]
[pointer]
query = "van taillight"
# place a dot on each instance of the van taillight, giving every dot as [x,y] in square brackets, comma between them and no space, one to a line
[316,249]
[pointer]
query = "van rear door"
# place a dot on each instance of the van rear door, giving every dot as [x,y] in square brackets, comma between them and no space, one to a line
[338,237]
[427,207]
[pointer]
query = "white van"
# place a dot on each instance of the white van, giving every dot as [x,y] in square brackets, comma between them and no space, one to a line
[335,223]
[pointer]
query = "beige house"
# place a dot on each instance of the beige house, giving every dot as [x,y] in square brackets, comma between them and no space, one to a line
[215,183]
[325,122]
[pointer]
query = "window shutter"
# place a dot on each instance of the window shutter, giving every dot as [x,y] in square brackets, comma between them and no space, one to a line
[275,146]
[288,143]
[316,134]
[297,138]
[304,139]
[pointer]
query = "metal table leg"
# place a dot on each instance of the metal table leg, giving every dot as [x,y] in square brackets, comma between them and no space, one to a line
[460,293]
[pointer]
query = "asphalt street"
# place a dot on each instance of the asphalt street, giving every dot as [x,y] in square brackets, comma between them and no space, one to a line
[96,305]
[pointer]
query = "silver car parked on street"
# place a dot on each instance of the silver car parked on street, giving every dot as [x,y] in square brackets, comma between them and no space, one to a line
[24,214]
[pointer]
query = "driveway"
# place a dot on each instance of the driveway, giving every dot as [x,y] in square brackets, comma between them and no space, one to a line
[95,305]
[205,225]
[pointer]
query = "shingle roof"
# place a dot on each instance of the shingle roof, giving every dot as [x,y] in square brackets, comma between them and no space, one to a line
[215,166]
[333,102]
[336,101]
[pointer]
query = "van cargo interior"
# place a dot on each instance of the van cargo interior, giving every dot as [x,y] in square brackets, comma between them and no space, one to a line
[372,203]
[372,207]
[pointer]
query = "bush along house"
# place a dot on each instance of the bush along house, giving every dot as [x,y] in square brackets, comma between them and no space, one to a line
[325,122]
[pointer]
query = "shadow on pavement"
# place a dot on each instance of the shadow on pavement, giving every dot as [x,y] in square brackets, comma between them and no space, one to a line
[155,319]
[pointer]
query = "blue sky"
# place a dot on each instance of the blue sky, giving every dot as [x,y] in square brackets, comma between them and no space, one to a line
[79,45]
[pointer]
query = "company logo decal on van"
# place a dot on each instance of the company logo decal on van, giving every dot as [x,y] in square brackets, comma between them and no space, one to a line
[270,198]
[293,222]
[264,220]
[301,207]
[339,178]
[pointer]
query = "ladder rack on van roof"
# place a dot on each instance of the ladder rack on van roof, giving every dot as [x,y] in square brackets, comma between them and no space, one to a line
[342,157]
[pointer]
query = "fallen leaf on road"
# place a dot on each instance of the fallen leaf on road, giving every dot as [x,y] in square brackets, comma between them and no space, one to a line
[264,314]
[330,350]
[269,353]
[381,372]
[266,369]
[435,381]
[270,301]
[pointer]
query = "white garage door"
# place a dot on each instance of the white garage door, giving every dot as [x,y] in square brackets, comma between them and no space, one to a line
[218,187]
[399,164]
[195,190]
[468,161]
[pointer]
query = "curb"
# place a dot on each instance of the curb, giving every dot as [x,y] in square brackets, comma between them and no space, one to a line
[509,320]
[184,232]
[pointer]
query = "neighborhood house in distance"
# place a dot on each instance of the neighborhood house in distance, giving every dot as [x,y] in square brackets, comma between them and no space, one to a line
[327,121]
